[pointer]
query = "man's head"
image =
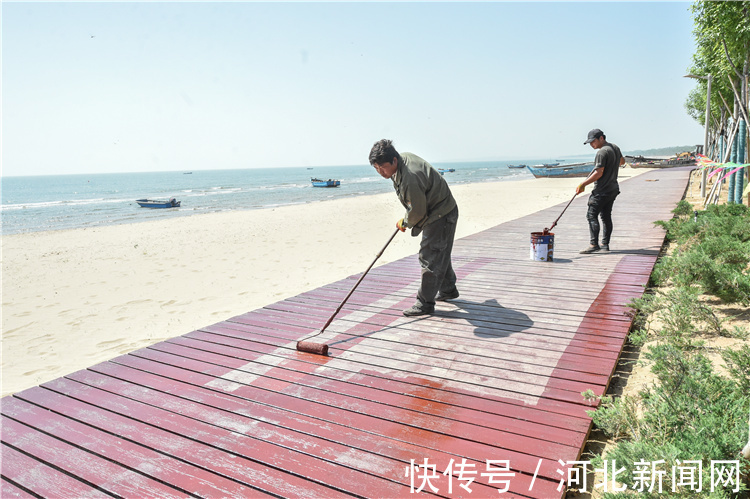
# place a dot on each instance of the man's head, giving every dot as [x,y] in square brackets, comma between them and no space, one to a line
[384,158]
[596,138]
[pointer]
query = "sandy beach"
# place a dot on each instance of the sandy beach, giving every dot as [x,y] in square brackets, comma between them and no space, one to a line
[75,298]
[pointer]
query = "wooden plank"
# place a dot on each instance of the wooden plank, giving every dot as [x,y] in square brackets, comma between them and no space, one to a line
[219,409]
[168,433]
[249,369]
[351,372]
[160,467]
[8,489]
[250,351]
[358,411]
[477,331]
[108,476]
[557,400]
[504,353]
[42,479]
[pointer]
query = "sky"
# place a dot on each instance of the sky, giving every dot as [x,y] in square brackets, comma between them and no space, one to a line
[104,87]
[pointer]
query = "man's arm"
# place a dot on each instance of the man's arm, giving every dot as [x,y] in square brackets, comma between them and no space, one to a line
[590,180]
[416,204]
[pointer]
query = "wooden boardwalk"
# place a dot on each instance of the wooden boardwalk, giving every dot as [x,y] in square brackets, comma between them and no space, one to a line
[485,395]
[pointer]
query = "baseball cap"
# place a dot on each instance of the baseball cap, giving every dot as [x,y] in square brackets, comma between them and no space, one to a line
[593,134]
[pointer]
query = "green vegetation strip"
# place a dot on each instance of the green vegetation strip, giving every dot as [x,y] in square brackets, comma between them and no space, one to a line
[691,417]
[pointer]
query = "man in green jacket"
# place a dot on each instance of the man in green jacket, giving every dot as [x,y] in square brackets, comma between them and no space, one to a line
[431,211]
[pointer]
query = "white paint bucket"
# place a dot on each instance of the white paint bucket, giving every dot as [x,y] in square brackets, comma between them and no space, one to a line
[542,246]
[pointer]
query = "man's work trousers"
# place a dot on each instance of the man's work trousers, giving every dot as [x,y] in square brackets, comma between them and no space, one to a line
[435,258]
[600,206]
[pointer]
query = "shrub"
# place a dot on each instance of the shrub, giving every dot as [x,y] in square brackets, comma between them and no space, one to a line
[712,253]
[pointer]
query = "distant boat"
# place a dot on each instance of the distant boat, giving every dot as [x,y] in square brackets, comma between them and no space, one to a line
[516,166]
[152,203]
[316,182]
[187,173]
[679,160]
[562,171]
[446,170]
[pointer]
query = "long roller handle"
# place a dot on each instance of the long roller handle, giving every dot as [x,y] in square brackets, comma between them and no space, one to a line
[566,206]
[357,284]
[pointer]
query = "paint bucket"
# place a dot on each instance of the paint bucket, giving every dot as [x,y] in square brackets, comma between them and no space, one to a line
[542,246]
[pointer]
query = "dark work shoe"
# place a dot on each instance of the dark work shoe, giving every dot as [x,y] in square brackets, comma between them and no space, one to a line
[590,249]
[605,247]
[418,309]
[447,296]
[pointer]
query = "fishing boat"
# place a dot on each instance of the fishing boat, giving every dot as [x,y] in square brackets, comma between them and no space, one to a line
[152,203]
[516,166]
[446,170]
[316,182]
[642,162]
[562,171]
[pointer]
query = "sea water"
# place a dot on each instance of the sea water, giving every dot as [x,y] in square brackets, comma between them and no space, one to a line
[40,203]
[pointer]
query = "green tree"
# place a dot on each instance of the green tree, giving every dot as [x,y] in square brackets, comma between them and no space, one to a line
[722,36]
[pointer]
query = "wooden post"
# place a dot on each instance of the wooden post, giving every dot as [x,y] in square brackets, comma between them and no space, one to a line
[704,173]
[740,178]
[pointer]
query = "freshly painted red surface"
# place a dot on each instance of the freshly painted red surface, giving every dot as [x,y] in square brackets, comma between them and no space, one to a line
[234,410]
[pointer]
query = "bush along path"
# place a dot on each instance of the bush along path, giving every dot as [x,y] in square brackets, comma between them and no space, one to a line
[684,433]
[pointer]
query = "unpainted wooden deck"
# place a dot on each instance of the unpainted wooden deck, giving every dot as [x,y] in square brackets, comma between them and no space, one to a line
[233,410]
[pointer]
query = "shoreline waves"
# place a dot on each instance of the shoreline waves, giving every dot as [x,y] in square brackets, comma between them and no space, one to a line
[33,204]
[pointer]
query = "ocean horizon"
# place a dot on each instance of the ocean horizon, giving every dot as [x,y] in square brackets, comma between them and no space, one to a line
[59,202]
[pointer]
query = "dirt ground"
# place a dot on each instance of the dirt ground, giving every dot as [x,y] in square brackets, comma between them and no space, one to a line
[633,371]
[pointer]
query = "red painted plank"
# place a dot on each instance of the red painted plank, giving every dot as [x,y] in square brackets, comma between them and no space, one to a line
[224,410]
[349,372]
[497,357]
[357,410]
[8,489]
[427,438]
[42,479]
[428,362]
[501,359]
[519,343]
[160,467]
[491,393]
[89,467]
[316,379]
[175,438]
[481,332]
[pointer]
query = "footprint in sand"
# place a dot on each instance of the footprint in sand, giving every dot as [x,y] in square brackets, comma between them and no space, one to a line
[10,332]
[136,302]
[46,370]
[112,345]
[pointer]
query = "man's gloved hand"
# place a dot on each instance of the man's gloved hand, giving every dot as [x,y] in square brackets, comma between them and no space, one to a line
[401,225]
[580,188]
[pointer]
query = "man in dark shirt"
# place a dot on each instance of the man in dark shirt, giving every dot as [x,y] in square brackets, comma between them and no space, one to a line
[431,211]
[607,164]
